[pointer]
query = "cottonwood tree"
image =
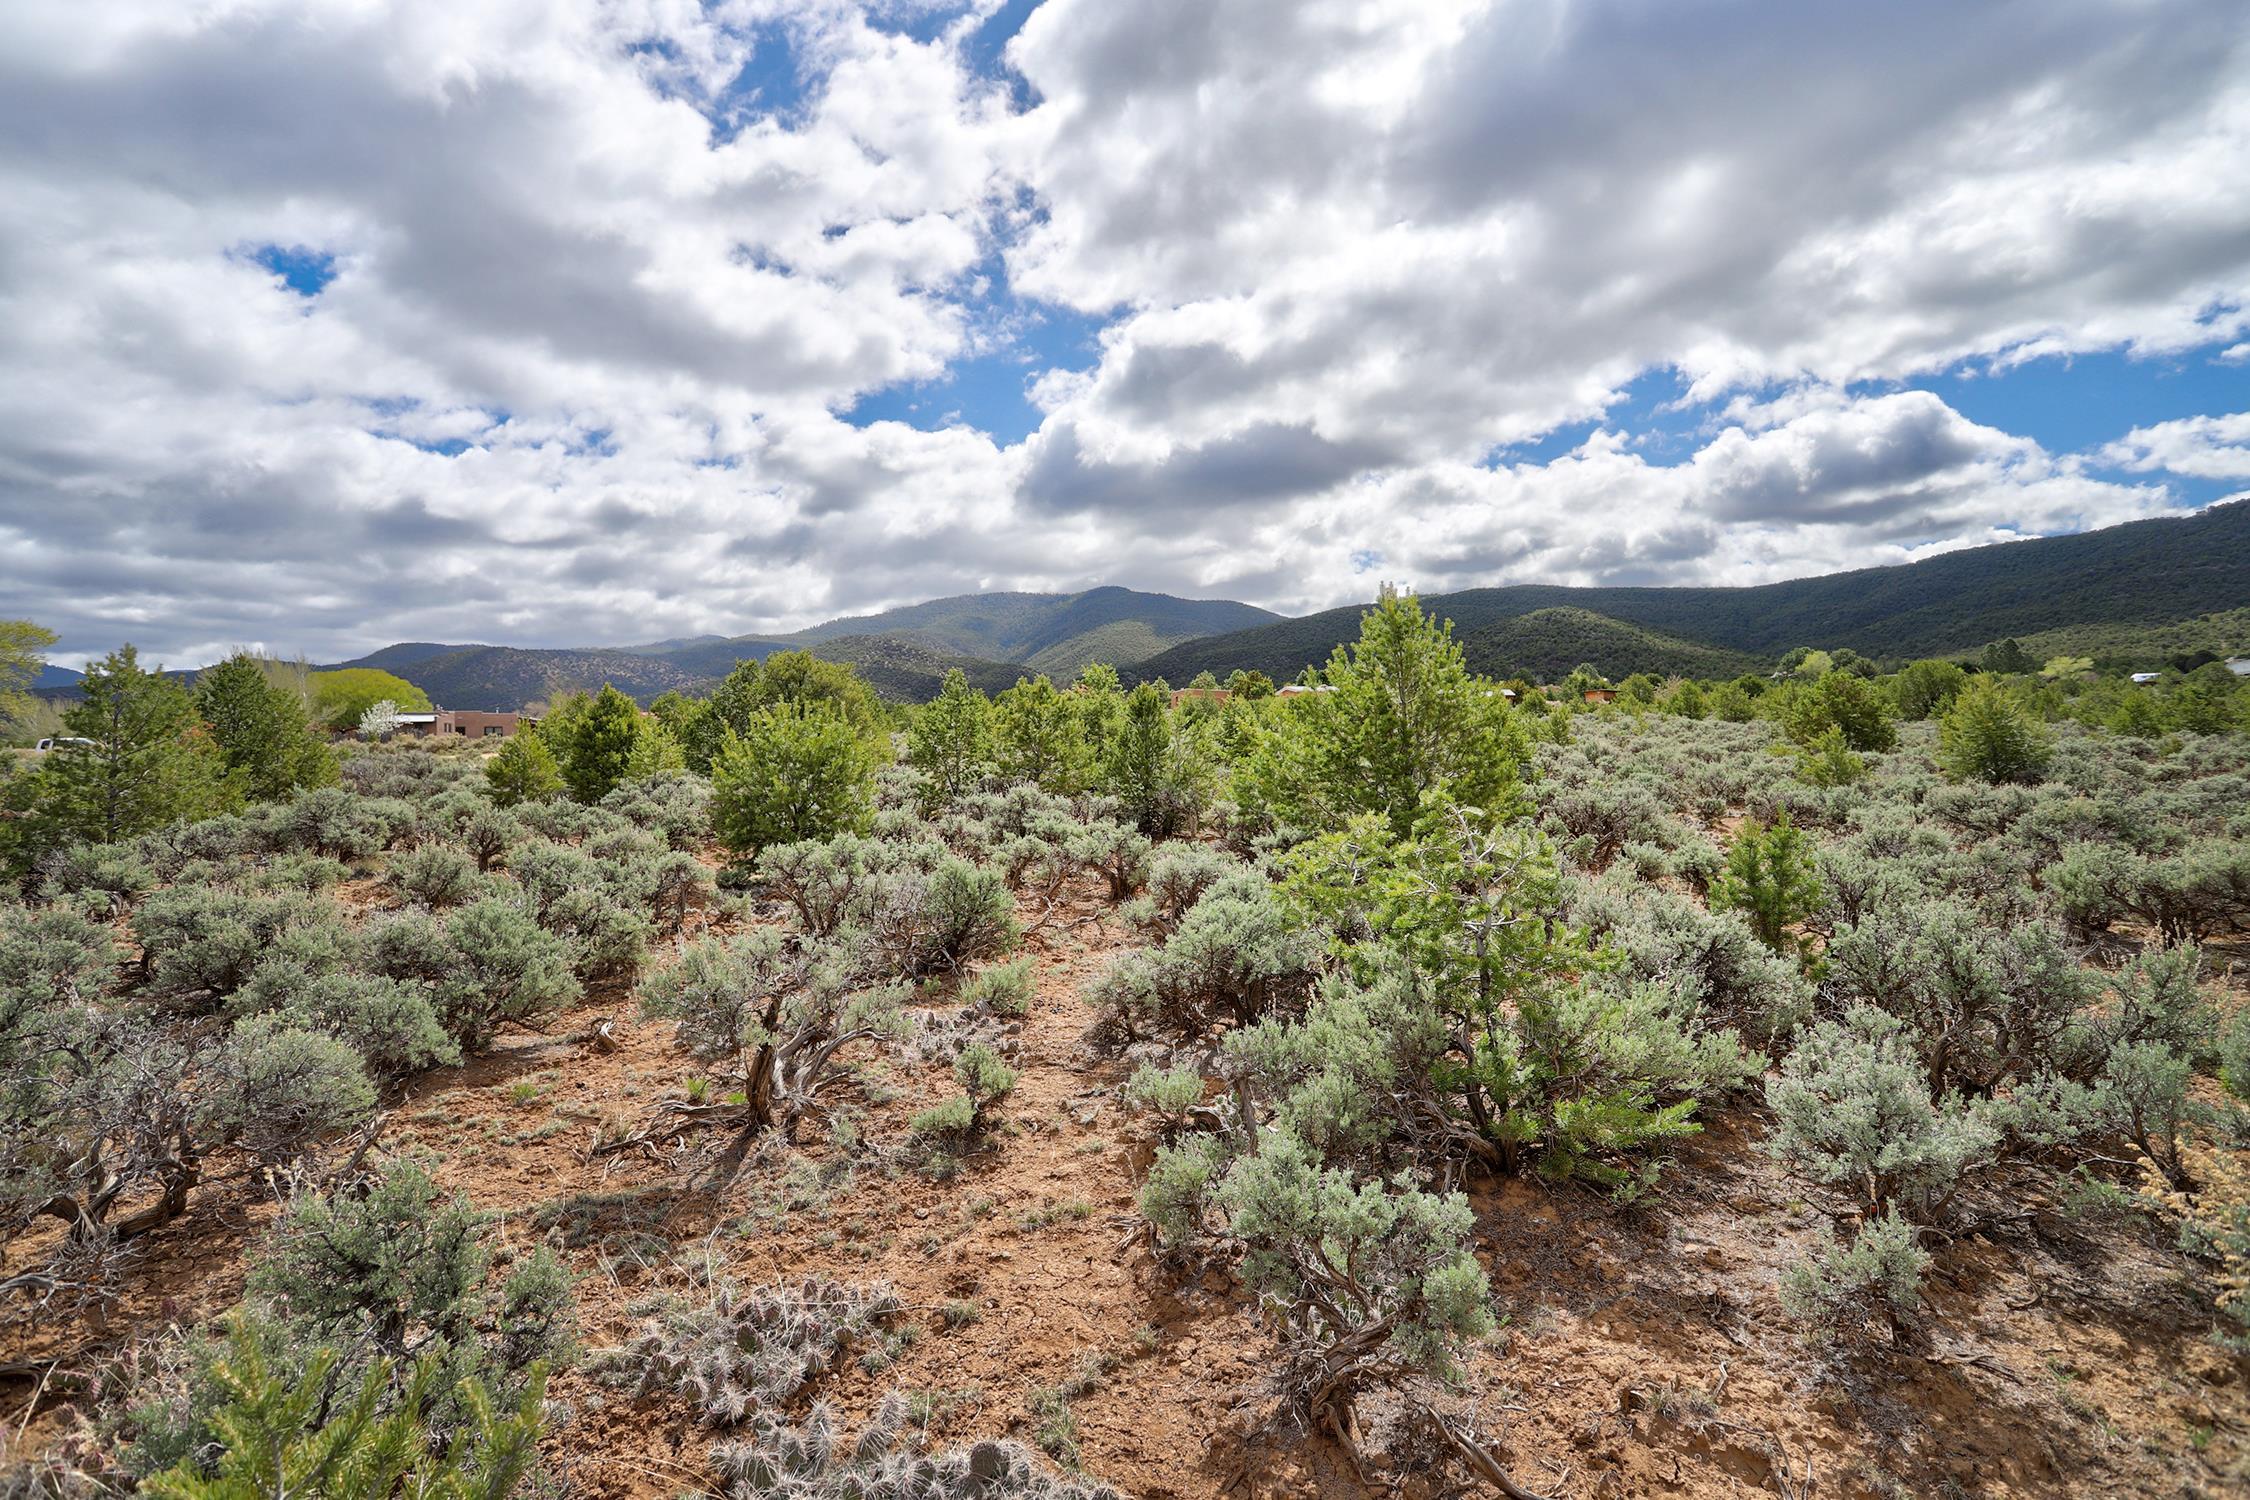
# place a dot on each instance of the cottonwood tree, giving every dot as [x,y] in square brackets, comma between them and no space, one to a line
[342,696]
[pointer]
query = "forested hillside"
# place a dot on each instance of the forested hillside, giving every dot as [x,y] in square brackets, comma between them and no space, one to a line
[2141,573]
[1547,644]
[1018,627]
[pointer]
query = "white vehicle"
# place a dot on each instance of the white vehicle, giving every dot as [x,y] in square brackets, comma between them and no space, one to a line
[48,744]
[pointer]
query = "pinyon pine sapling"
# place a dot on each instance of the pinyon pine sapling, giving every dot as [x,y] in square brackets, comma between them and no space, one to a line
[1987,736]
[1769,878]
[523,771]
[278,1436]
[951,741]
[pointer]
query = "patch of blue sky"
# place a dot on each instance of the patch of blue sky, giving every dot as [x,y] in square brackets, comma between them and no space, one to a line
[983,52]
[2075,404]
[918,20]
[774,83]
[2069,405]
[304,271]
[452,447]
[392,431]
[982,46]
[989,389]
[1649,411]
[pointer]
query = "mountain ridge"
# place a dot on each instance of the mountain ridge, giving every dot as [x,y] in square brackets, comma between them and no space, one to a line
[2131,581]
[2150,572]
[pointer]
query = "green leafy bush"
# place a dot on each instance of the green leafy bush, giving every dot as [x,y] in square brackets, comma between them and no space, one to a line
[795,771]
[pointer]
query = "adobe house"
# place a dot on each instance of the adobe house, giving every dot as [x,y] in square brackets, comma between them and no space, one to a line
[1208,695]
[477,724]
[1601,695]
[469,723]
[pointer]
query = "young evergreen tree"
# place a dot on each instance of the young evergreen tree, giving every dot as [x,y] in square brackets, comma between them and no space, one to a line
[23,651]
[655,751]
[1099,700]
[601,745]
[262,731]
[1538,1056]
[1133,767]
[524,770]
[1987,736]
[729,708]
[1407,719]
[950,742]
[2005,658]
[1769,878]
[1038,736]
[278,1436]
[146,761]
[1843,702]
[1925,688]
[1829,762]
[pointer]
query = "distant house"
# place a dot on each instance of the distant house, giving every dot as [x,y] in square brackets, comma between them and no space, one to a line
[469,723]
[1600,695]
[2148,677]
[1207,695]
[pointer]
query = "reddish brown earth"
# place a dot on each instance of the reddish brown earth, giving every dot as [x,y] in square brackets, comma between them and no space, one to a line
[1644,1352]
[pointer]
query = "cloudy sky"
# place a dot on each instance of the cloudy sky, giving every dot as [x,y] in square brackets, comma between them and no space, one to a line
[326,323]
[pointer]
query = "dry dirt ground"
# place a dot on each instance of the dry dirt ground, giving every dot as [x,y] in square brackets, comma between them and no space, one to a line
[1643,1351]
